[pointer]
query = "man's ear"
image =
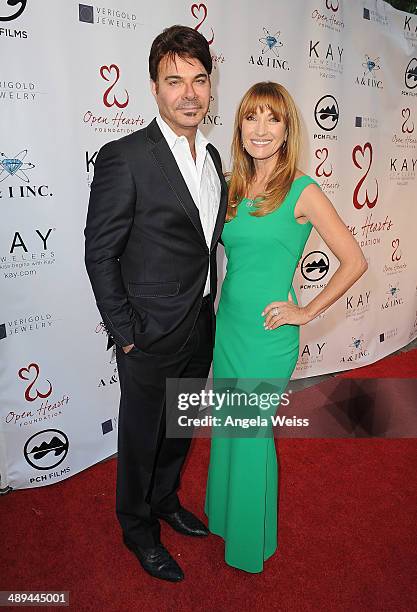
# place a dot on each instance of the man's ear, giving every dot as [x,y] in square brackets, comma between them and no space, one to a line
[154,87]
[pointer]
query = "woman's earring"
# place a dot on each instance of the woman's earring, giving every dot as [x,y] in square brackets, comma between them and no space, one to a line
[243,146]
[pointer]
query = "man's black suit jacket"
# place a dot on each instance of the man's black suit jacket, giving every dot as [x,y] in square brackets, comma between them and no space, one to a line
[145,250]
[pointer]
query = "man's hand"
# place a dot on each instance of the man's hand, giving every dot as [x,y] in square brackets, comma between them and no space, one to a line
[128,348]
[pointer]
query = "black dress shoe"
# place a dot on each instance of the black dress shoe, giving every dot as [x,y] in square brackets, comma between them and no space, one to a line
[156,561]
[184,522]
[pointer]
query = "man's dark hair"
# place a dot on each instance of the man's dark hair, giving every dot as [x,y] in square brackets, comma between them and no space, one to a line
[182,41]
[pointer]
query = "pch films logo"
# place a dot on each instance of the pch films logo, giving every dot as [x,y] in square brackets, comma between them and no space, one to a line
[397,262]
[324,171]
[314,269]
[328,15]
[272,53]
[326,116]
[377,14]
[9,12]
[406,136]
[41,403]
[326,58]
[27,324]
[370,76]
[410,78]
[356,350]
[108,17]
[410,28]
[29,253]
[45,451]
[112,117]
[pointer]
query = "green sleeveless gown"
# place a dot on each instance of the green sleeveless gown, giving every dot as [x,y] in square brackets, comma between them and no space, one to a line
[242,484]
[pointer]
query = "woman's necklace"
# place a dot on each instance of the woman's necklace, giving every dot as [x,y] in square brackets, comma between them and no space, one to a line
[252,202]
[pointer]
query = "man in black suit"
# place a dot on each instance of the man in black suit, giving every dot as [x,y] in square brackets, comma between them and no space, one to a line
[156,212]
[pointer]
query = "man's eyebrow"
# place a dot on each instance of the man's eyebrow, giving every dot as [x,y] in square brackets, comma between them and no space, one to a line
[177,76]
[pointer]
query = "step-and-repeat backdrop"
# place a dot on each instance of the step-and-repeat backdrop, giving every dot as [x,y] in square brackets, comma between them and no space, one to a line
[73,76]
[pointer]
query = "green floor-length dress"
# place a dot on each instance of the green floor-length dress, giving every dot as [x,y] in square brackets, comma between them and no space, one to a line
[242,485]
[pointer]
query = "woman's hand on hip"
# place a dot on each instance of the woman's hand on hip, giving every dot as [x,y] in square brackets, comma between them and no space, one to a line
[282,313]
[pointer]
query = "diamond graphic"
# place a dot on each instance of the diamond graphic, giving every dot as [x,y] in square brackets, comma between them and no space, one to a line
[370,64]
[271,42]
[14,166]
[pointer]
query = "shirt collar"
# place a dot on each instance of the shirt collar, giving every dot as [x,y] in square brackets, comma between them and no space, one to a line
[172,138]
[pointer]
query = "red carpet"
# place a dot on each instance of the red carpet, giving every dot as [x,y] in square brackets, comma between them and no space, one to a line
[347,534]
[402,365]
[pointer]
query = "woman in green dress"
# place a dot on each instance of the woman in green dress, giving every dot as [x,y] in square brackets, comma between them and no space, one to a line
[272,209]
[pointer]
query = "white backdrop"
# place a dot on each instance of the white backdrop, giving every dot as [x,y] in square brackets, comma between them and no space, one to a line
[74,76]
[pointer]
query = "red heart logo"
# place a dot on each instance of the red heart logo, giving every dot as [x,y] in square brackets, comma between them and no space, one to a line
[195,9]
[107,70]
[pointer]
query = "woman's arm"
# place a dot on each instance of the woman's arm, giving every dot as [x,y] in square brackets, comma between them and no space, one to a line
[315,206]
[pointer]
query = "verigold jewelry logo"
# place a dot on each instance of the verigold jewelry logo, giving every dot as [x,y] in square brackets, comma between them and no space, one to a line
[105,16]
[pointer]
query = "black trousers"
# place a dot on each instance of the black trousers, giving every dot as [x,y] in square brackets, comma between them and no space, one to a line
[149,464]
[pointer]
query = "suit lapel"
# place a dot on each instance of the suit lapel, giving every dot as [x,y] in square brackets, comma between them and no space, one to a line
[169,168]
[223,197]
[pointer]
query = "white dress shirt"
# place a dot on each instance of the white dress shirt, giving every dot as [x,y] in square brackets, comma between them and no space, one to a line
[200,177]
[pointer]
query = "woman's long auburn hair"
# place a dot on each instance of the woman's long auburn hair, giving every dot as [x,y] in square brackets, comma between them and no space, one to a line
[274,97]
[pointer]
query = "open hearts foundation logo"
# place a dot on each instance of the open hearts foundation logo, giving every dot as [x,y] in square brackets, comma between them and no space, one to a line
[31,375]
[408,125]
[111,74]
[199,12]
[332,5]
[323,168]
[362,158]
